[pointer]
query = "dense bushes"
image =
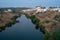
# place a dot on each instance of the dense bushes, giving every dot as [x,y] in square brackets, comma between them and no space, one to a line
[9,23]
[14,17]
[2,28]
[47,21]
[38,24]
[56,34]
[47,36]
[53,24]
[57,17]
[27,16]
[42,28]
[35,20]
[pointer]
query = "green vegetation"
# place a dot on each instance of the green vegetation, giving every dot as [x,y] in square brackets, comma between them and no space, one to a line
[13,20]
[42,28]
[9,23]
[56,34]
[14,17]
[47,36]
[2,28]
[56,17]
[53,24]
[47,21]
[27,16]
[35,20]
[1,13]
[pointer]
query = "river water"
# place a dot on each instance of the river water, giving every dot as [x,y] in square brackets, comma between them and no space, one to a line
[24,30]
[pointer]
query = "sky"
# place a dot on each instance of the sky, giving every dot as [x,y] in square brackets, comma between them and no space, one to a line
[28,3]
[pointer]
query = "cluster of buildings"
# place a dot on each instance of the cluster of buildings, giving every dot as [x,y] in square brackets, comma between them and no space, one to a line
[54,9]
[36,9]
[43,9]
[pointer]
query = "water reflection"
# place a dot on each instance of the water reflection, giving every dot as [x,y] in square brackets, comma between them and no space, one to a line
[2,29]
[24,30]
[8,25]
[37,27]
[41,30]
[35,21]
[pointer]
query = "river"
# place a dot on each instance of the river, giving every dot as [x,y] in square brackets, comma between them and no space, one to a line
[23,30]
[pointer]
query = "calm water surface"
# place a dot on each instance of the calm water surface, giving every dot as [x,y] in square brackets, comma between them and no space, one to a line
[24,30]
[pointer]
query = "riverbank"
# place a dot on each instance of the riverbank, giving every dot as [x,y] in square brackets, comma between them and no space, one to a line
[7,19]
[48,22]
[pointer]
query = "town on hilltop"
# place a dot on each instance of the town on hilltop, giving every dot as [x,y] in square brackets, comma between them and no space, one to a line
[43,9]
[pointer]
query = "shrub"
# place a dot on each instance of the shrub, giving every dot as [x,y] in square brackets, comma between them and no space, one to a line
[27,16]
[56,34]
[2,28]
[47,21]
[14,17]
[35,20]
[53,24]
[47,36]
[56,17]
[9,23]
[42,28]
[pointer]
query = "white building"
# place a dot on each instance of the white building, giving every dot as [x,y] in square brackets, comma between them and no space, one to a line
[8,10]
[41,10]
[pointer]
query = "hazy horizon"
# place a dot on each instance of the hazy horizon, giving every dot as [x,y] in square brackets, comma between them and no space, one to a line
[28,3]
